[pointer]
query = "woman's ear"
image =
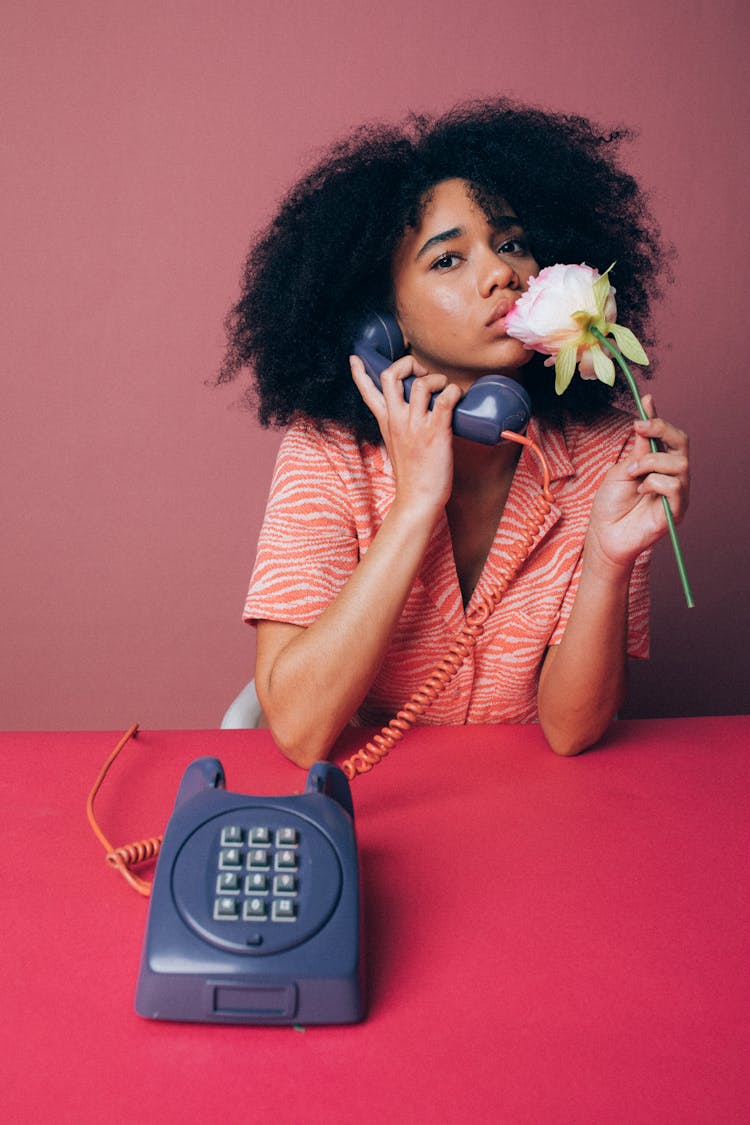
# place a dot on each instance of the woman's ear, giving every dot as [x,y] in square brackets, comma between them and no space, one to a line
[402,330]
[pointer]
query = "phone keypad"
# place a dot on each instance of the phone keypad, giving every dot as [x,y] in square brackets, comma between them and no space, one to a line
[257,874]
[257,878]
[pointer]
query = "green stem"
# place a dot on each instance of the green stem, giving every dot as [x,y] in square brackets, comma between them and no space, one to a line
[655,449]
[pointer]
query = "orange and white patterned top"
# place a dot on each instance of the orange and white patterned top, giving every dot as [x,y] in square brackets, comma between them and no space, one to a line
[328,498]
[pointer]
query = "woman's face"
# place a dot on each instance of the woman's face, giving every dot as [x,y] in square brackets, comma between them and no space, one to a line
[455,277]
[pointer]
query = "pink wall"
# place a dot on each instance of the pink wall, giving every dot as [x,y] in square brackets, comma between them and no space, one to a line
[146,142]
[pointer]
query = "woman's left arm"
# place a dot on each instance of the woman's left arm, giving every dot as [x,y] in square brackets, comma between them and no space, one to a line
[583,679]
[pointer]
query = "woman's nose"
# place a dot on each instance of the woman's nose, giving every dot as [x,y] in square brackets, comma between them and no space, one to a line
[498,273]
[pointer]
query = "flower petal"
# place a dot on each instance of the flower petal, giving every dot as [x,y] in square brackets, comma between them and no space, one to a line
[603,366]
[565,365]
[628,344]
[601,291]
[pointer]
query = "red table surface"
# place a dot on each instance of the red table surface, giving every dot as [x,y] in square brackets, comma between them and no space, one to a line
[547,940]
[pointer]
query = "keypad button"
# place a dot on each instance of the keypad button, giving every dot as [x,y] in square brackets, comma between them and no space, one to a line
[256,883]
[284,910]
[268,890]
[228,882]
[286,860]
[226,909]
[254,909]
[230,858]
[258,859]
[287,838]
[285,884]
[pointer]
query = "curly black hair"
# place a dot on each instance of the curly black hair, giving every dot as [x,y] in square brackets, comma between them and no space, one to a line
[325,260]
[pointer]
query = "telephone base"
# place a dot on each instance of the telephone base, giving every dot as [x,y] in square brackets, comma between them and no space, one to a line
[255,909]
[307,1002]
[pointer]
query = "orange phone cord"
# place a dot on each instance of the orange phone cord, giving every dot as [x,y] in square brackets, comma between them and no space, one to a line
[130,855]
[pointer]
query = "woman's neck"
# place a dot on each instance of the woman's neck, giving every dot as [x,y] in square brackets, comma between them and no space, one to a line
[478,467]
[482,478]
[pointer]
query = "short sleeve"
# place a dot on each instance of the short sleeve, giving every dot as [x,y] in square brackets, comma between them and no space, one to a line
[308,544]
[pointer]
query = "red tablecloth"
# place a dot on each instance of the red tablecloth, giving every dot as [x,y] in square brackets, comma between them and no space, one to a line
[548,941]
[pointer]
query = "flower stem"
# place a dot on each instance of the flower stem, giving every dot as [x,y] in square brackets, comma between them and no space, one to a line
[655,449]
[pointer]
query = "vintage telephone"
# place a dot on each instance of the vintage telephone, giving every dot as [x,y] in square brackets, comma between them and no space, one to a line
[491,409]
[255,911]
[254,916]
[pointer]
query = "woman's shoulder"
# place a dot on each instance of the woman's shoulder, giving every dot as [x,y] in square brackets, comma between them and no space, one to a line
[604,436]
[330,444]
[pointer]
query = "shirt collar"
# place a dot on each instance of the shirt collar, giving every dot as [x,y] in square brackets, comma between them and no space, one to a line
[551,441]
[549,438]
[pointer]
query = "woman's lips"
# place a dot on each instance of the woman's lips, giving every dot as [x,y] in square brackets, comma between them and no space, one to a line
[500,311]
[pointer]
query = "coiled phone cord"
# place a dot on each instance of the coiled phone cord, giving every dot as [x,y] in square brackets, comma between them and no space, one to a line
[375,750]
[130,855]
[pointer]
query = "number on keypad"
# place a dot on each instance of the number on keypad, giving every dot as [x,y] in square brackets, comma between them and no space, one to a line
[261,896]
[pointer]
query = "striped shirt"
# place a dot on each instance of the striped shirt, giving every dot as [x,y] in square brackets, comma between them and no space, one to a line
[329,497]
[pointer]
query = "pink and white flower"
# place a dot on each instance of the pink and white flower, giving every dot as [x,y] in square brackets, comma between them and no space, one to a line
[566,314]
[556,316]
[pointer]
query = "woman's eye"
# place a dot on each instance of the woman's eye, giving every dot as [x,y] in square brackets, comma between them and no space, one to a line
[445,262]
[513,246]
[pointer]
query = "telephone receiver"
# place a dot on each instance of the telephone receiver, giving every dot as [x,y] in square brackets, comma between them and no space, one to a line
[493,404]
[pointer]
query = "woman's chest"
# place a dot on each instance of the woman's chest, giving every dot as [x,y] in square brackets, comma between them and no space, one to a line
[473,521]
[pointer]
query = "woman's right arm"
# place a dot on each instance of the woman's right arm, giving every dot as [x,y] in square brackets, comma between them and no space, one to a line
[310,681]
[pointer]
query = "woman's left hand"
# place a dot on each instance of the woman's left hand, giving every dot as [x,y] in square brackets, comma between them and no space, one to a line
[628,513]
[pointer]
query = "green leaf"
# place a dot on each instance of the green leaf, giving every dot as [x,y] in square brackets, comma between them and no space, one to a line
[628,344]
[565,365]
[603,366]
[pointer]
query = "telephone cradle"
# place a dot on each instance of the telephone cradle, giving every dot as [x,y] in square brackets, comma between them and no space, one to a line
[255,909]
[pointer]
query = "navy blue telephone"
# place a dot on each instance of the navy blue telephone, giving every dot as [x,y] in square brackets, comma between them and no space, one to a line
[254,915]
[493,404]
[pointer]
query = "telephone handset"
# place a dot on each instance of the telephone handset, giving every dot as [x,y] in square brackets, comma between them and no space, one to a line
[493,405]
[254,915]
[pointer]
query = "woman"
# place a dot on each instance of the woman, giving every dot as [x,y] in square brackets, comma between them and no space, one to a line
[384,529]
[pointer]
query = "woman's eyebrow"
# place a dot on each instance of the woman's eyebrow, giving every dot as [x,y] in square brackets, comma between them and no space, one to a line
[444,236]
[499,223]
[505,222]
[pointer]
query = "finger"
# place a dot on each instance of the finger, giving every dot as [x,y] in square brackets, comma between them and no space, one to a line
[659,430]
[424,387]
[640,443]
[673,463]
[366,387]
[406,365]
[643,428]
[649,405]
[393,377]
[447,400]
[401,369]
[656,484]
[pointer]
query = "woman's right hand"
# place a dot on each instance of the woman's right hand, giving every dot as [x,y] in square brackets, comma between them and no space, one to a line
[419,441]
[311,681]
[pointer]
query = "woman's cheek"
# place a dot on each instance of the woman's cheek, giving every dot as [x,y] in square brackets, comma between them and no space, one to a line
[443,314]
